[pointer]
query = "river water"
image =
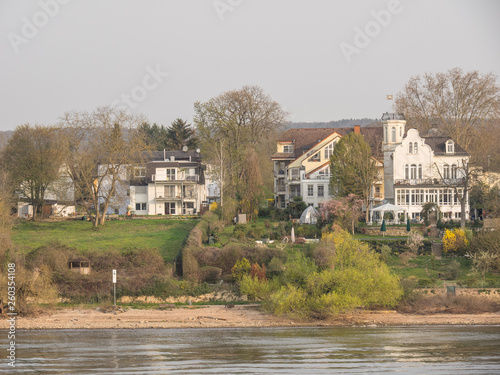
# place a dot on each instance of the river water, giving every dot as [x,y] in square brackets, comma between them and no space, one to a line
[346,350]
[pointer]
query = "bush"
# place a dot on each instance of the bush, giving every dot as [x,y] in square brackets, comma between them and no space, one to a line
[455,241]
[255,288]
[210,274]
[264,212]
[385,253]
[488,241]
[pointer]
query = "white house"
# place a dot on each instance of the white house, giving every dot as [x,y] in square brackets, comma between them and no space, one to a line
[422,168]
[170,183]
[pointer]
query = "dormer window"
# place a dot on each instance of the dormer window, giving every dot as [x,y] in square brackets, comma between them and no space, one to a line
[410,148]
[450,147]
[288,148]
[315,157]
[415,148]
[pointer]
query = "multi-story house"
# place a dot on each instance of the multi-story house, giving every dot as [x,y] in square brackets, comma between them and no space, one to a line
[422,168]
[302,163]
[169,183]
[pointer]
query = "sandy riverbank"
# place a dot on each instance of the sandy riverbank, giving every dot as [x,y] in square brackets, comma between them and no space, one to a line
[239,316]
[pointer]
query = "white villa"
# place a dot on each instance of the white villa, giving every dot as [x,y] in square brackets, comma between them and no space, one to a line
[414,169]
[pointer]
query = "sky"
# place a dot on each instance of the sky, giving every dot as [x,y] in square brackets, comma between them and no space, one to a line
[322,60]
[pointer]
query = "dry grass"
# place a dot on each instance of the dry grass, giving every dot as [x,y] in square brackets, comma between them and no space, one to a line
[434,304]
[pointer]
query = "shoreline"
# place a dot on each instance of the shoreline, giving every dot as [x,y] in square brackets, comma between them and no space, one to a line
[240,316]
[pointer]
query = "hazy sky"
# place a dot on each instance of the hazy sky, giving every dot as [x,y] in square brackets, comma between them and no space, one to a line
[321,60]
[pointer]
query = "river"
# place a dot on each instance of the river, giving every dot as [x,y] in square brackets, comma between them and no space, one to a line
[346,350]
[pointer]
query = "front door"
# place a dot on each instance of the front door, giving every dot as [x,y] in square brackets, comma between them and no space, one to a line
[170,208]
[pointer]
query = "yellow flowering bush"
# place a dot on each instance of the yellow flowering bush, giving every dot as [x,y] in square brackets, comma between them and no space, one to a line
[455,240]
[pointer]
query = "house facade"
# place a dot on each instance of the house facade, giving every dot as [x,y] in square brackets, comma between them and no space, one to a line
[422,168]
[302,163]
[169,183]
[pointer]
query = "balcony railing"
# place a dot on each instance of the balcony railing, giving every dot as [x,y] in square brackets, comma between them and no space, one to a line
[430,181]
[279,173]
[164,178]
[281,189]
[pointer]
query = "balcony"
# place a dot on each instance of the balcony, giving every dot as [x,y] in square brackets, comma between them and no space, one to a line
[281,189]
[160,197]
[280,173]
[176,178]
[430,181]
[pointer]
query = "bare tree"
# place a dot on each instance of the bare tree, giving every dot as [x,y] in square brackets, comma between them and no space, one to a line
[103,146]
[243,122]
[462,185]
[33,157]
[462,103]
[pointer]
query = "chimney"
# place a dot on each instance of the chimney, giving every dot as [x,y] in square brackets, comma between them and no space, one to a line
[357,129]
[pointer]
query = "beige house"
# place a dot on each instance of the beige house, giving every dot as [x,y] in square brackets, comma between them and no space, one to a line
[302,163]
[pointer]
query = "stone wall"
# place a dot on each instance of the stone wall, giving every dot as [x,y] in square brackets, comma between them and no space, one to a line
[391,231]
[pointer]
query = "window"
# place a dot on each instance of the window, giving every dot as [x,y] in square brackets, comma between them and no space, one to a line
[169,191]
[420,171]
[287,148]
[139,172]
[413,172]
[415,148]
[315,157]
[446,171]
[170,174]
[325,171]
[454,171]
[377,191]
[407,172]
[450,147]
[329,150]
[393,134]
[386,136]
[410,148]
[310,190]
[321,190]
[141,206]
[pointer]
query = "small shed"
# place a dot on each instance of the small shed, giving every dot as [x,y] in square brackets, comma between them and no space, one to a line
[309,216]
[80,265]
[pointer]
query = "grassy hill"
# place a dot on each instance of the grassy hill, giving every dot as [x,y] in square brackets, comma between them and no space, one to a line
[165,235]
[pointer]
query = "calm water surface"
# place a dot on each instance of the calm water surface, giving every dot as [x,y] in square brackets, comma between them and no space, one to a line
[414,350]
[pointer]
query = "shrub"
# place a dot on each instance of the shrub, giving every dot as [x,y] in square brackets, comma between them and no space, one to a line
[385,253]
[255,288]
[210,274]
[455,241]
[488,241]
[242,267]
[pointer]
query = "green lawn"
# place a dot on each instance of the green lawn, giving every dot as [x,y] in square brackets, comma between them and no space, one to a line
[433,272]
[166,235]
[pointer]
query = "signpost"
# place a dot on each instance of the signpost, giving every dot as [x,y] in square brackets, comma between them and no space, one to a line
[114,287]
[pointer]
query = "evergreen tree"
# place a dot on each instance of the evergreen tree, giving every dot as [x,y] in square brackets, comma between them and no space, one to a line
[180,134]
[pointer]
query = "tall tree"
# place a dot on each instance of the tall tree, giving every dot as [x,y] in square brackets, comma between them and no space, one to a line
[462,103]
[33,157]
[467,176]
[103,147]
[232,127]
[353,169]
[155,136]
[180,134]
